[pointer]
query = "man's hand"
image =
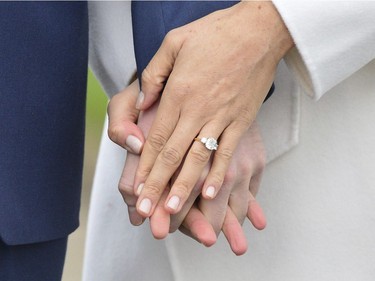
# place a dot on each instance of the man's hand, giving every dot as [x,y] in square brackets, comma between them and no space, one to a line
[219,70]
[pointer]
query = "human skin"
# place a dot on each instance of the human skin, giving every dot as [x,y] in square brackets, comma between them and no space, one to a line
[219,70]
[202,220]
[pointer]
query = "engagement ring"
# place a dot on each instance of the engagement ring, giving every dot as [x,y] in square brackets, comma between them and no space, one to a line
[210,143]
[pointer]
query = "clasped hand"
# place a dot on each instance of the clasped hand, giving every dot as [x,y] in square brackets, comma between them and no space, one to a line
[201,219]
[214,74]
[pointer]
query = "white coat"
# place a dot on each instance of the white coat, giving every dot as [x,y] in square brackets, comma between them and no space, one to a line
[318,190]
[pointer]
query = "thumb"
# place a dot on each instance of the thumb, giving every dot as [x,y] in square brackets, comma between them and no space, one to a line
[122,115]
[156,73]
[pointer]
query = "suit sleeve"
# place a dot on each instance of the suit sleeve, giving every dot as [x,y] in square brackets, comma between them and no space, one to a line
[334,39]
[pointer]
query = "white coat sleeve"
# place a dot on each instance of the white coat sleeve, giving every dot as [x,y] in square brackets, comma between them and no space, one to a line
[333,39]
[111,52]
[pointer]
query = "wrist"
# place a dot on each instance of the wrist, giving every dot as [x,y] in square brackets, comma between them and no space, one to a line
[270,24]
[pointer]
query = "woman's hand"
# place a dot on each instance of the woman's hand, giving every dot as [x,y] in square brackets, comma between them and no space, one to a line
[204,219]
[219,70]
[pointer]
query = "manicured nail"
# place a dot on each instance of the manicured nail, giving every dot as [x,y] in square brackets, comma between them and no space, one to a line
[173,202]
[145,206]
[140,100]
[210,191]
[139,189]
[134,144]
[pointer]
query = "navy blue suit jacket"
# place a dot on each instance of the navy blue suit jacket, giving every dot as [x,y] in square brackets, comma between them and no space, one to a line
[43,70]
[152,20]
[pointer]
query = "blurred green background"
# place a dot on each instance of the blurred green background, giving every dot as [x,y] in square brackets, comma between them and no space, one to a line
[96,103]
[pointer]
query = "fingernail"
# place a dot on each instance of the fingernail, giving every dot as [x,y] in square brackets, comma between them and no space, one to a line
[139,189]
[134,144]
[145,206]
[173,202]
[140,100]
[210,191]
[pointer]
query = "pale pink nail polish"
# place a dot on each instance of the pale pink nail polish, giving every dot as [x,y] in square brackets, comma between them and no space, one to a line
[145,206]
[174,202]
[140,99]
[210,192]
[134,144]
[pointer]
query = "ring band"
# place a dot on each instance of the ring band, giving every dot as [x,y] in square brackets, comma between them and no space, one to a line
[209,143]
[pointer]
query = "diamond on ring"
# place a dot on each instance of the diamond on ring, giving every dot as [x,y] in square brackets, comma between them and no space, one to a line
[210,143]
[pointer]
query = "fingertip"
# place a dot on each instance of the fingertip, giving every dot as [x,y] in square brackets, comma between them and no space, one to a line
[159,223]
[144,207]
[133,144]
[160,233]
[145,101]
[173,204]
[240,250]
[234,233]
[256,215]
[237,241]
[208,240]
[127,135]
[204,234]
[260,225]
[209,193]
[134,217]
[200,229]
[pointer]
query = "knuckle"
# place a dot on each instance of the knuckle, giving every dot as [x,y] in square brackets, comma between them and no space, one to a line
[230,175]
[125,188]
[142,173]
[170,157]
[183,188]
[262,162]
[149,76]
[245,169]
[114,132]
[172,37]
[199,155]
[132,115]
[224,153]
[261,165]
[157,140]
[153,188]
[127,193]
[252,165]
[244,118]
[218,179]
